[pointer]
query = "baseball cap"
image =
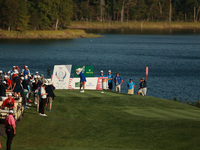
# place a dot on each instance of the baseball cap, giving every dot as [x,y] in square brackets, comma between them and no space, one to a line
[1,71]
[131,78]
[26,66]
[101,70]
[14,66]
[11,111]
[109,70]
[36,72]
[10,94]
[4,82]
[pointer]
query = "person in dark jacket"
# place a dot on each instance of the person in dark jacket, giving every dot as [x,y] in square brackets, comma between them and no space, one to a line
[50,96]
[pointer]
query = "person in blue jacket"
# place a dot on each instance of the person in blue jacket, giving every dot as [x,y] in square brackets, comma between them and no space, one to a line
[80,72]
[101,74]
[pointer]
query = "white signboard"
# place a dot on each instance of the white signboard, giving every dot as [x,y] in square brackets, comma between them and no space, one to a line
[90,84]
[61,76]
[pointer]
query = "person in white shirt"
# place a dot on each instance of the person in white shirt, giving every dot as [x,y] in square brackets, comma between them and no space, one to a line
[43,101]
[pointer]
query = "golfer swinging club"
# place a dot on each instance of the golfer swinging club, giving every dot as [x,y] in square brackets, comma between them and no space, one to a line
[80,72]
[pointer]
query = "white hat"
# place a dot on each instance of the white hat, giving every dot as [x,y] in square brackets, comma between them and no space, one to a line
[26,66]
[22,78]
[109,70]
[14,66]
[11,111]
[36,72]
[5,76]
[10,94]
[1,71]
[101,70]
[4,82]
[15,71]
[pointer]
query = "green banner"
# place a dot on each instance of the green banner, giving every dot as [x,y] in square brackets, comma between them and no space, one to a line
[89,71]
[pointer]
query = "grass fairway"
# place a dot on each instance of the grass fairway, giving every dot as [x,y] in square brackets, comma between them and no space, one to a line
[109,121]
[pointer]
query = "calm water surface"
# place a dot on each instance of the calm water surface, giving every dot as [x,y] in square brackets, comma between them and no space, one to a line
[173,59]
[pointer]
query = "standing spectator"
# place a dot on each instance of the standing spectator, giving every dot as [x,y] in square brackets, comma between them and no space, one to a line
[43,80]
[12,72]
[26,71]
[17,85]
[43,100]
[131,86]
[26,89]
[36,75]
[1,76]
[101,74]
[8,81]
[3,89]
[8,74]
[10,129]
[143,87]
[110,78]
[118,82]
[50,96]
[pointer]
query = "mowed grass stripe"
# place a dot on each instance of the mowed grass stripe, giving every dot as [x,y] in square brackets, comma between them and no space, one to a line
[189,114]
[164,113]
[144,113]
[169,113]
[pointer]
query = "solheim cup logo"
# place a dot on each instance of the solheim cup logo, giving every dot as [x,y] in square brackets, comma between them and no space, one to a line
[61,75]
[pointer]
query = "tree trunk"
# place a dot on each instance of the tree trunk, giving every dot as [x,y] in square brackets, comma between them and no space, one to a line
[122,12]
[194,14]
[102,3]
[160,8]
[57,20]
[170,11]
[197,15]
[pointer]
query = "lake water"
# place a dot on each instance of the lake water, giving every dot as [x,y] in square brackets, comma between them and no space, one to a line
[173,58]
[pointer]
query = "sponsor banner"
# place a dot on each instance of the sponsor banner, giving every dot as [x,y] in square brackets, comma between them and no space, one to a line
[61,76]
[91,84]
[89,71]
[102,82]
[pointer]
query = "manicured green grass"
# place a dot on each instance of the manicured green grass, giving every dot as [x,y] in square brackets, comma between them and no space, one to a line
[135,25]
[46,34]
[109,121]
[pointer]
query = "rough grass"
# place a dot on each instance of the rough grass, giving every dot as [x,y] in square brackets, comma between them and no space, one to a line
[109,121]
[135,25]
[46,34]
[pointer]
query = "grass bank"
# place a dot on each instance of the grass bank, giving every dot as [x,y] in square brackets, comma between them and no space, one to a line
[135,25]
[109,121]
[46,34]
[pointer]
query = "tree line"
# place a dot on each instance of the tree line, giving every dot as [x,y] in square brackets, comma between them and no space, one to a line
[35,14]
[136,10]
[57,14]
